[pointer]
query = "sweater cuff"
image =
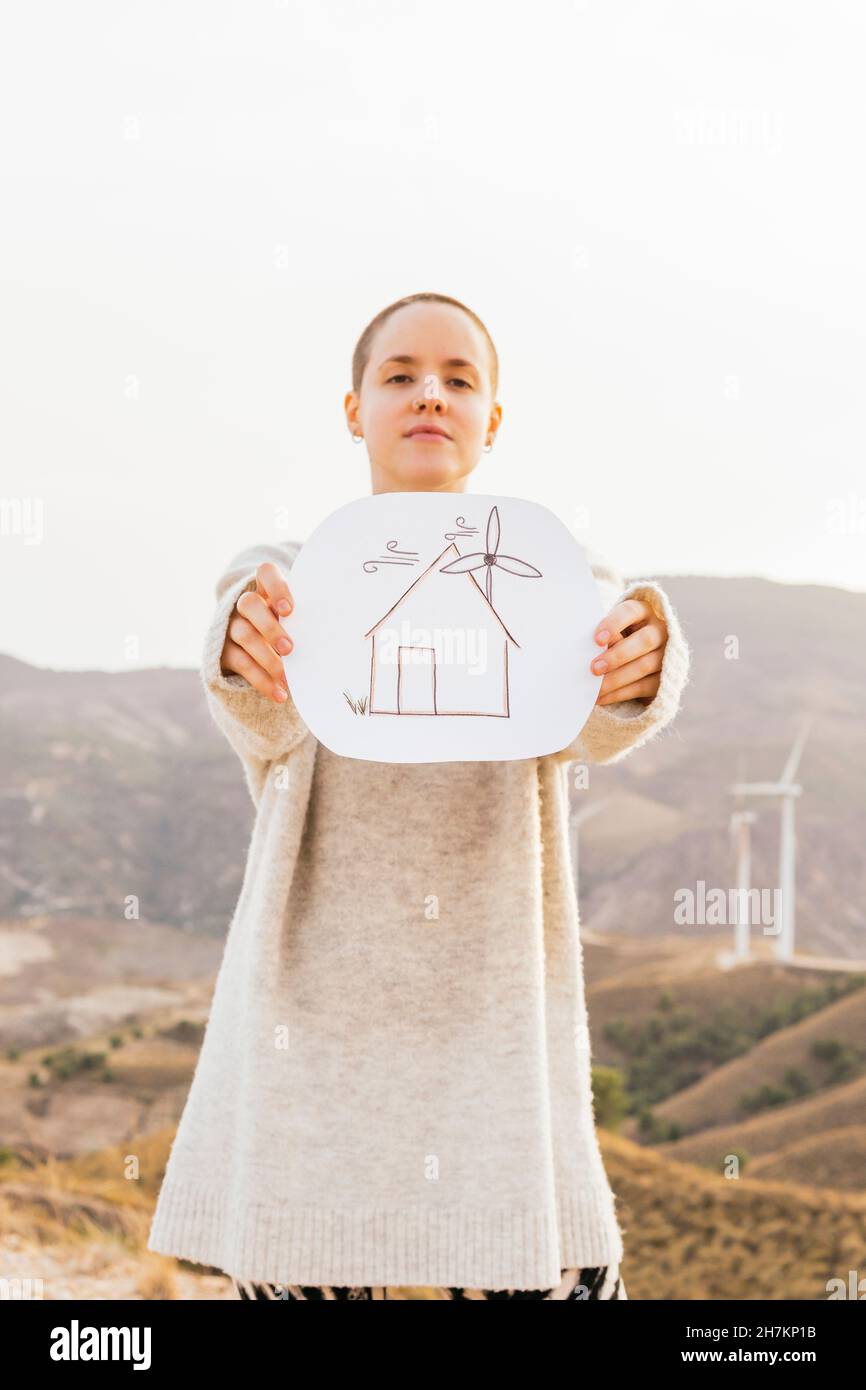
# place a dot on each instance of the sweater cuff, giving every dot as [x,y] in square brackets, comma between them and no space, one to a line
[255,725]
[613,731]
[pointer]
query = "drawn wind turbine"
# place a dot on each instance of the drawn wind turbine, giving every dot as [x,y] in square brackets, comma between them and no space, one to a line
[490,558]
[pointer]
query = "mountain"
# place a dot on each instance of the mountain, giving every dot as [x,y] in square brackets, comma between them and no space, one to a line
[119,786]
[764,655]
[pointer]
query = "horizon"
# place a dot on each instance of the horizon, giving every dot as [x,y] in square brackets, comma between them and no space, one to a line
[129,668]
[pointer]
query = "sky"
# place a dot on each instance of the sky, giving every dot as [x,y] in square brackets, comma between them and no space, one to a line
[654,207]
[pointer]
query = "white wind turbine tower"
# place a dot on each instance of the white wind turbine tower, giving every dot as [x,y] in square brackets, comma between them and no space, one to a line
[786,789]
[741,824]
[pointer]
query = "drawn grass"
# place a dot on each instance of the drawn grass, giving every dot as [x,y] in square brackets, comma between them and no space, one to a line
[356,706]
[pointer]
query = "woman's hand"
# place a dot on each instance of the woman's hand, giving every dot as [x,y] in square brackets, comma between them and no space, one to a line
[255,639]
[636,639]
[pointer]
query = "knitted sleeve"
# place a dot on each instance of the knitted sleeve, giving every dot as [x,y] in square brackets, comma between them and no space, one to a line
[258,729]
[613,731]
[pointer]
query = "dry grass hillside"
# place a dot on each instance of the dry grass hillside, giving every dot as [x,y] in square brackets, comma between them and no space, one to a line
[635,978]
[715,1099]
[835,1154]
[81,1227]
[690,1234]
[92,1094]
[87,1121]
[829,1128]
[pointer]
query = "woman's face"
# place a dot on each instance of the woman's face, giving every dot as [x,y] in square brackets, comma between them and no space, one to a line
[446,385]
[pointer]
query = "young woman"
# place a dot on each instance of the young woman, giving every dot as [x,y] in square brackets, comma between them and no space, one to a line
[383,1102]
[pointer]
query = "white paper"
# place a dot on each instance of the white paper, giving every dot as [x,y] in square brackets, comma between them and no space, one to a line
[442,663]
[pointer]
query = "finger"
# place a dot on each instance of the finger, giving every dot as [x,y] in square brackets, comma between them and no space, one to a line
[633,671]
[272,584]
[255,608]
[651,637]
[647,687]
[247,636]
[622,615]
[238,659]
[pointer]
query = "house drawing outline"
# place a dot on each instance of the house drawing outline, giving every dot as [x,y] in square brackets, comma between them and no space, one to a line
[431,685]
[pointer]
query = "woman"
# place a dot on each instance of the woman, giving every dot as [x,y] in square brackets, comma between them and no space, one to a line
[382,1103]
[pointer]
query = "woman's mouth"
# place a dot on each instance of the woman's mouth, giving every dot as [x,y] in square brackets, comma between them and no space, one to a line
[433,436]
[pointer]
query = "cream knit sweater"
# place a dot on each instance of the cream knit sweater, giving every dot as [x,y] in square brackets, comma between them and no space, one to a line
[394,1084]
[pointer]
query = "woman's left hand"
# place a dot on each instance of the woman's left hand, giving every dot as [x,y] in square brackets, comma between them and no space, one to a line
[636,639]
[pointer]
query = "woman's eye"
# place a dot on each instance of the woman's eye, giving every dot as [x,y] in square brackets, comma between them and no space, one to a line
[404,376]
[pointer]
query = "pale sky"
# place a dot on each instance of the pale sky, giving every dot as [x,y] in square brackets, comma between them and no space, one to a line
[656,208]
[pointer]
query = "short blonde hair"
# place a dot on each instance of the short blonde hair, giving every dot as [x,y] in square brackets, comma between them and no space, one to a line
[361,355]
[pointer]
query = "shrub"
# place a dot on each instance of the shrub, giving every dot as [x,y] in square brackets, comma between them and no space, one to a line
[609,1098]
[71,1060]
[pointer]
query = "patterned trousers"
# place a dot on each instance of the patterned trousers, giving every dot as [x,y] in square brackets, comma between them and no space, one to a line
[576,1284]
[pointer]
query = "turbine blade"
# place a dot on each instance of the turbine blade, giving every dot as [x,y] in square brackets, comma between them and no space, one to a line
[515,566]
[493,531]
[464,564]
[796,752]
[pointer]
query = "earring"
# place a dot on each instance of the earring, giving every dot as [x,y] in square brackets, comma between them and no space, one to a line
[356,438]
[487,447]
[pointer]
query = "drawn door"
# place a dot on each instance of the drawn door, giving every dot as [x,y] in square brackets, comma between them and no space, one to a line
[416,680]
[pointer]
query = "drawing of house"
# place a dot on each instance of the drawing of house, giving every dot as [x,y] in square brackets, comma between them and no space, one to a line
[440,649]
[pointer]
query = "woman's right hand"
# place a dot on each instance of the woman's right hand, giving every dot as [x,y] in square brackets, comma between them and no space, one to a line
[255,640]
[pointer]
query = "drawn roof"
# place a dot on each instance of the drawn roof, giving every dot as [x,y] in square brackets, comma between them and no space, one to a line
[469,575]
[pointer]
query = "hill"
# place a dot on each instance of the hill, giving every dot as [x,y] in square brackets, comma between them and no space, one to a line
[119,783]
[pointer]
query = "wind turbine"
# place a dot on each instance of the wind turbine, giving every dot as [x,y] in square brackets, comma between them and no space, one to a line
[491,559]
[741,823]
[786,789]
